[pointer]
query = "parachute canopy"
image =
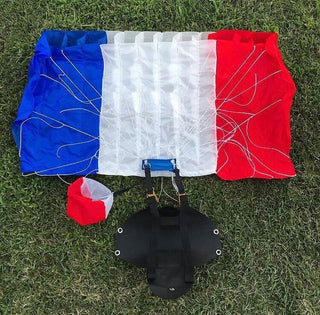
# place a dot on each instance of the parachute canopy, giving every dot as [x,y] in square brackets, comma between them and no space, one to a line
[101,102]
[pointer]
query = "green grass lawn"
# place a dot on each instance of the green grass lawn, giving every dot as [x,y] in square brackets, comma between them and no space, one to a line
[269,229]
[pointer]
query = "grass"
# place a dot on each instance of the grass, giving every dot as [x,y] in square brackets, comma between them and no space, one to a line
[270,229]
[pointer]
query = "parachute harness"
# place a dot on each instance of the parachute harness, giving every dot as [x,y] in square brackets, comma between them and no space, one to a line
[168,241]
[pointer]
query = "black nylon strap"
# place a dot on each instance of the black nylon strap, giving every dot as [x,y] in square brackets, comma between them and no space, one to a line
[120,192]
[149,182]
[184,206]
[156,222]
[183,199]
[153,206]
[152,201]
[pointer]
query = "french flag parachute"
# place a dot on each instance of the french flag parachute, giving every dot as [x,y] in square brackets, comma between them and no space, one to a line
[101,102]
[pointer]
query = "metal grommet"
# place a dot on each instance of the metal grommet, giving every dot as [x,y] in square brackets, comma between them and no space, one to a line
[120,230]
[117,252]
[215,231]
[172,289]
[218,252]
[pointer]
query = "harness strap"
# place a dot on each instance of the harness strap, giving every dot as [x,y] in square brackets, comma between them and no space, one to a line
[182,196]
[184,207]
[152,197]
[153,206]
[157,222]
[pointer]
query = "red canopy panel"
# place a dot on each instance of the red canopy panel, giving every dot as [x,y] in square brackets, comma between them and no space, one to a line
[254,92]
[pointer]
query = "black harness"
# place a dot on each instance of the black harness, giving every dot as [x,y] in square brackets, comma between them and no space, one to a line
[168,241]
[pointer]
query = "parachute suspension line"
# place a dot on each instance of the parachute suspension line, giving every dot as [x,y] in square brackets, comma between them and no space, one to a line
[89,101]
[169,196]
[63,180]
[63,166]
[162,190]
[225,163]
[231,99]
[259,112]
[236,126]
[240,80]
[252,97]
[71,144]
[94,138]
[231,133]
[205,115]
[67,87]
[245,149]
[91,172]
[89,83]
[239,68]
[250,87]
[65,125]
[103,117]
[262,147]
[79,108]
[81,92]
[90,159]
[228,135]
[30,118]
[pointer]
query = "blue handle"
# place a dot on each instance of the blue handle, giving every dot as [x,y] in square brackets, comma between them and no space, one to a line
[159,164]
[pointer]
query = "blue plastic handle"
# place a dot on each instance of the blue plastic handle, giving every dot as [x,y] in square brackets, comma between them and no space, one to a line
[159,164]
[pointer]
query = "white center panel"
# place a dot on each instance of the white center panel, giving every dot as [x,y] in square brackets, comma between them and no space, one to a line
[158,102]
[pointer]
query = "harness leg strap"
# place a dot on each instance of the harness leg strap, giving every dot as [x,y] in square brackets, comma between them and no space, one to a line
[152,201]
[182,196]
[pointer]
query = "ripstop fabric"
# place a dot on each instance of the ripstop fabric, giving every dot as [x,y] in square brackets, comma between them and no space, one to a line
[100,102]
[88,201]
[53,131]
[254,97]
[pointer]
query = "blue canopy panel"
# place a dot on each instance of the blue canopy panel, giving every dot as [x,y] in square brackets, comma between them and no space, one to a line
[57,126]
